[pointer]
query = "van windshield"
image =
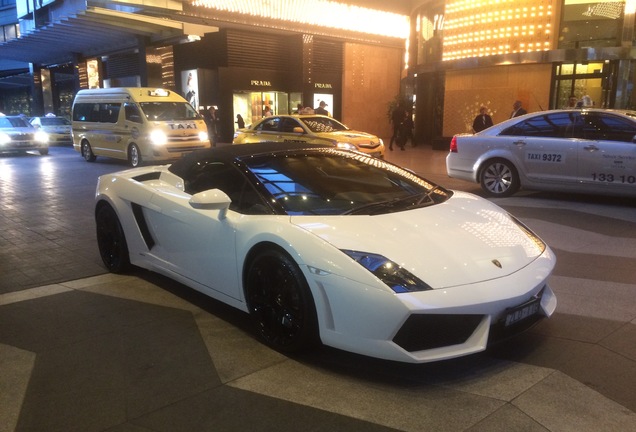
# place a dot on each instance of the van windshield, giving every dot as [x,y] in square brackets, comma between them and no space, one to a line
[162,111]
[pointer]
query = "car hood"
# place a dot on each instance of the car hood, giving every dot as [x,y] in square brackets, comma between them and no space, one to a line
[349,136]
[464,240]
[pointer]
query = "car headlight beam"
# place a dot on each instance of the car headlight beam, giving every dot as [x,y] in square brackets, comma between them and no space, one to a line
[158,137]
[346,146]
[399,279]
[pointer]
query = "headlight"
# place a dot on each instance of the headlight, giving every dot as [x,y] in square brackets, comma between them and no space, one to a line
[4,139]
[537,241]
[395,277]
[346,146]
[41,137]
[158,137]
[203,136]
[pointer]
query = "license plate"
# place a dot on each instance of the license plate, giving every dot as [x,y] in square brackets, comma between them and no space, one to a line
[522,312]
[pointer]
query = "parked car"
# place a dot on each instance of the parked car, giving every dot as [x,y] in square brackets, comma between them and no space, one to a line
[313,129]
[589,151]
[57,128]
[17,135]
[322,244]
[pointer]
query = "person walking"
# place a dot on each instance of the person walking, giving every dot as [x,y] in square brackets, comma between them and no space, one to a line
[240,123]
[397,117]
[482,121]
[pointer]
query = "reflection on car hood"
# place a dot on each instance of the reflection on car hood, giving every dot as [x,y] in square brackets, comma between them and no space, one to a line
[349,135]
[461,241]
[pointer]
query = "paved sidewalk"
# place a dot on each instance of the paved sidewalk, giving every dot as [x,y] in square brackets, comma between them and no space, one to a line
[83,350]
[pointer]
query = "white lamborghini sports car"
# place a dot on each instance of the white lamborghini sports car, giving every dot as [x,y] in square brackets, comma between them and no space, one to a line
[325,245]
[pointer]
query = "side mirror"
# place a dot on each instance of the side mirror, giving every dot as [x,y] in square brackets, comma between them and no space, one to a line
[299,130]
[213,199]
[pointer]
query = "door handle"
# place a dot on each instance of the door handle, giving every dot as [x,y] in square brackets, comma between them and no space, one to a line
[591,148]
[519,143]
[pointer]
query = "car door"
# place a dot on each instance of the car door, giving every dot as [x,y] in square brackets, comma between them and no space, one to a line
[546,147]
[607,154]
[199,244]
[268,130]
[291,131]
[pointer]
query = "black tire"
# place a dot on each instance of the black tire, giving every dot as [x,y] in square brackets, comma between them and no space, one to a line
[111,240]
[280,302]
[134,156]
[87,152]
[499,178]
[44,151]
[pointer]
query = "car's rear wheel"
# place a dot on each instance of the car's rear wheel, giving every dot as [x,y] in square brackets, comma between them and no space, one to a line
[280,302]
[44,151]
[134,156]
[87,152]
[111,240]
[499,178]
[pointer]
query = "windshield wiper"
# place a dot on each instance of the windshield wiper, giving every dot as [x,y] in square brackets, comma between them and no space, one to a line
[414,201]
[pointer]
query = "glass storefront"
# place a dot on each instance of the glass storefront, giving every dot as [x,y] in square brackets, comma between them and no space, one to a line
[583,80]
[253,106]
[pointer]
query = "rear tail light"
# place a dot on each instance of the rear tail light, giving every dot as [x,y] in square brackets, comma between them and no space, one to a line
[453,145]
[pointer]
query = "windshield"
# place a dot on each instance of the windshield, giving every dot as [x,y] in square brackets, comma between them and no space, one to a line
[331,182]
[323,124]
[54,121]
[13,122]
[162,111]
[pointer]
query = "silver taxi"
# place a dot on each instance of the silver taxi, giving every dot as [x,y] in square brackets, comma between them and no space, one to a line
[587,151]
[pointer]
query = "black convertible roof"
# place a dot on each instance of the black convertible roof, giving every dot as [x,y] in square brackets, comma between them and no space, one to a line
[229,153]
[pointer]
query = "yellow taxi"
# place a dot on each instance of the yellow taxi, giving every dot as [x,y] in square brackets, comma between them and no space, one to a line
[311,129]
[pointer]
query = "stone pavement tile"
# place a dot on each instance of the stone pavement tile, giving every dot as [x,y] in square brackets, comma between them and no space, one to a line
[600,369]
[101,360]
[506,419]
[595,267]
[16,368]
[623,341]
[561,403]
[414,407]
[610,301]
[231,409]
[577,327]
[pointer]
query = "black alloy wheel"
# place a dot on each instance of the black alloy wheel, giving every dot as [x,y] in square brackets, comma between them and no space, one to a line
[111,240]
[87,152]
[499,178]
[280,302]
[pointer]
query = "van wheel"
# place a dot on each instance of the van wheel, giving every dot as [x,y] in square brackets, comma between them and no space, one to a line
[87,152]
[134,156]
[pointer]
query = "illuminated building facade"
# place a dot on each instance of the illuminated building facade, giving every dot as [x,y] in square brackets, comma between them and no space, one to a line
[467,53]
[238,55]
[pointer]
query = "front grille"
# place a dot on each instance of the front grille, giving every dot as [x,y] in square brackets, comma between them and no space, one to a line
[184,149]
[176,139]
[428,331]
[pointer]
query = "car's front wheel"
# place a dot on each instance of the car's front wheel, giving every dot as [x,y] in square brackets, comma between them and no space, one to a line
[87,152]
[134,156]
[280,302]
[111,240]
[499,178]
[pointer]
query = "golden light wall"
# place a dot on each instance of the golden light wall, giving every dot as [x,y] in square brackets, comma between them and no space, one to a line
[321,13]
[477,28]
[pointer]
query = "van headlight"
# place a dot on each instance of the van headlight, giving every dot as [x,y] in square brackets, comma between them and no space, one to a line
[203,136]
[158,137]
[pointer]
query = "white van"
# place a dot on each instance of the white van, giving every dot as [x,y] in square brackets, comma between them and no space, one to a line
[136,124]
